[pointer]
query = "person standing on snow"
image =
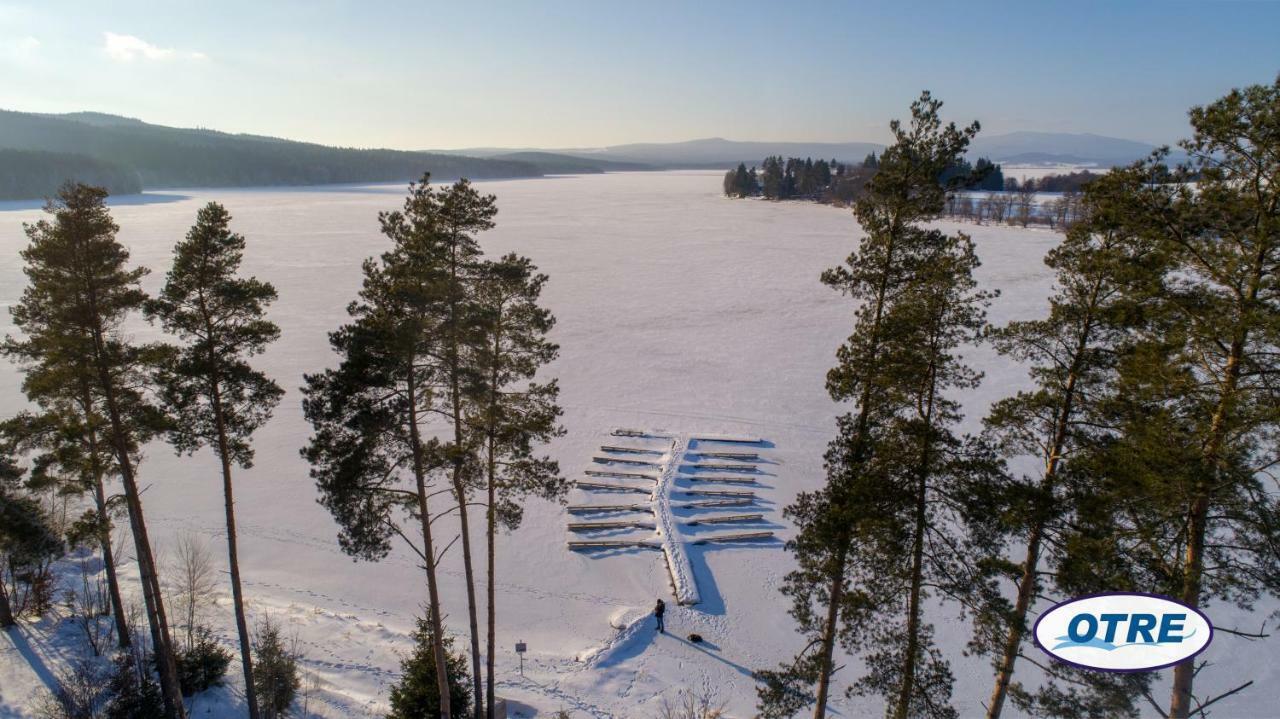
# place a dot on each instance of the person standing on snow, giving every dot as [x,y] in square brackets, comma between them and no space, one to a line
[658,610]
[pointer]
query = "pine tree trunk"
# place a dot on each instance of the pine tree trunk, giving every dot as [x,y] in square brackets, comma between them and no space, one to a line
[836,593]
[6,611]
[162,641]
[429,563]
[459,485]
[834,597]
[1198,524]
[233,555]
[1027,584]
[490,639]
[491,517]
[910,658]
[472,612]
[123,638]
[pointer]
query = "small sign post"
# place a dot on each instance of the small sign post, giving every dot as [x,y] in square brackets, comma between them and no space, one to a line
[521,648]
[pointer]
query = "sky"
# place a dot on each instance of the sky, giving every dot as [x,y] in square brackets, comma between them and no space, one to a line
[429,75]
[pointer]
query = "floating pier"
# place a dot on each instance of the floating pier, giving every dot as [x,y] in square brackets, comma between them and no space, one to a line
[730,480]
[720,493]
[709,503]
[628,450]
[745,456]
[739,537]
[594,526]
[605,508]
[601,486]
[610,543]
[618,473]
[725,519]
[724,467]
[620,460]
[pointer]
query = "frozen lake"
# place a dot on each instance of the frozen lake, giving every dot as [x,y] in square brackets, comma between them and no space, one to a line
[678,309]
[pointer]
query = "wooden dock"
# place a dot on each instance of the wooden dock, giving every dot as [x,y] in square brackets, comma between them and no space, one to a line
[619,474]
[593,526]
[725,519]
[601,486]
[605,508]
[620,460]
[610,543]
[743,456]
[707,478]
[739,537]
[724,467]
[720,493]
[706,503]
[628,450]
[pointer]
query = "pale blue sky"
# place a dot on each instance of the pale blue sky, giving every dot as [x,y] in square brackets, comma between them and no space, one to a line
[423,74]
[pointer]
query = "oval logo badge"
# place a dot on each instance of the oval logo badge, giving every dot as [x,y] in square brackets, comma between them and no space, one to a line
[1121,632]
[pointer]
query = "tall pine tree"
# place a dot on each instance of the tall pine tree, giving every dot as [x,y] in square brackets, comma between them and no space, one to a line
[371,461]
[216,397]
[80,292]
[1184,505]
[512,412]
[1072,354]
[885,272]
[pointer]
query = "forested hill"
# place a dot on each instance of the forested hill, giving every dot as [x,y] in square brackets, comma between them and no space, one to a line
[91,145]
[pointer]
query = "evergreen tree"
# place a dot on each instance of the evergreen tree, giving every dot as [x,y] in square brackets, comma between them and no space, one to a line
[771,180]
[1072,354]
[372,464]
[457,214]
[27,535]
[79,293]
[133,692]
[1184,505]
[69,455]
[216,398]
[276,674]
[512,412]
[417,694]
[887,272]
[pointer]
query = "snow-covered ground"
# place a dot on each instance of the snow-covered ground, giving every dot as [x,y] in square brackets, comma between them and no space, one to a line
[678,310]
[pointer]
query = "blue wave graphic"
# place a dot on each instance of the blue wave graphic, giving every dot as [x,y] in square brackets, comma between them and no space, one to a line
[1066,641]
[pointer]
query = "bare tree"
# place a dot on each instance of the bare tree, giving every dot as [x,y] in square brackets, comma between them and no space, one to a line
[195,582]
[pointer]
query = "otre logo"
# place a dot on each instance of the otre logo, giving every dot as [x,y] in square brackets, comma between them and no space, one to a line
[1123,632]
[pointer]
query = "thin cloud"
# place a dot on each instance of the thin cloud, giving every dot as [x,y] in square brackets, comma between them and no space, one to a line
[128,48]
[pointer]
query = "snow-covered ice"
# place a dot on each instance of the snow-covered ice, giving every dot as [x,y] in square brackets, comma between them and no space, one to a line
[677,308]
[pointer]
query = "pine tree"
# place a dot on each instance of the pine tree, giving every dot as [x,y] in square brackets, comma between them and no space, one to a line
[1072,354]
[417,694]
[276,677]
[1184,505]
[79,293]
[372,465]
[512,412]
[216,398]
[64,437]
[27,535]
[133,692]
[881,275]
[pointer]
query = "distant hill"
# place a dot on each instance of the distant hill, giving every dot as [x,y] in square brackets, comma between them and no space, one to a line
[716,152]
[174,157]
[1059,148]
[554,163]
[28,174]
[1016,147]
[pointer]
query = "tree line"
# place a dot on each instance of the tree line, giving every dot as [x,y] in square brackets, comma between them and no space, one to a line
[439,335]
[839,183]
[1140,459]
